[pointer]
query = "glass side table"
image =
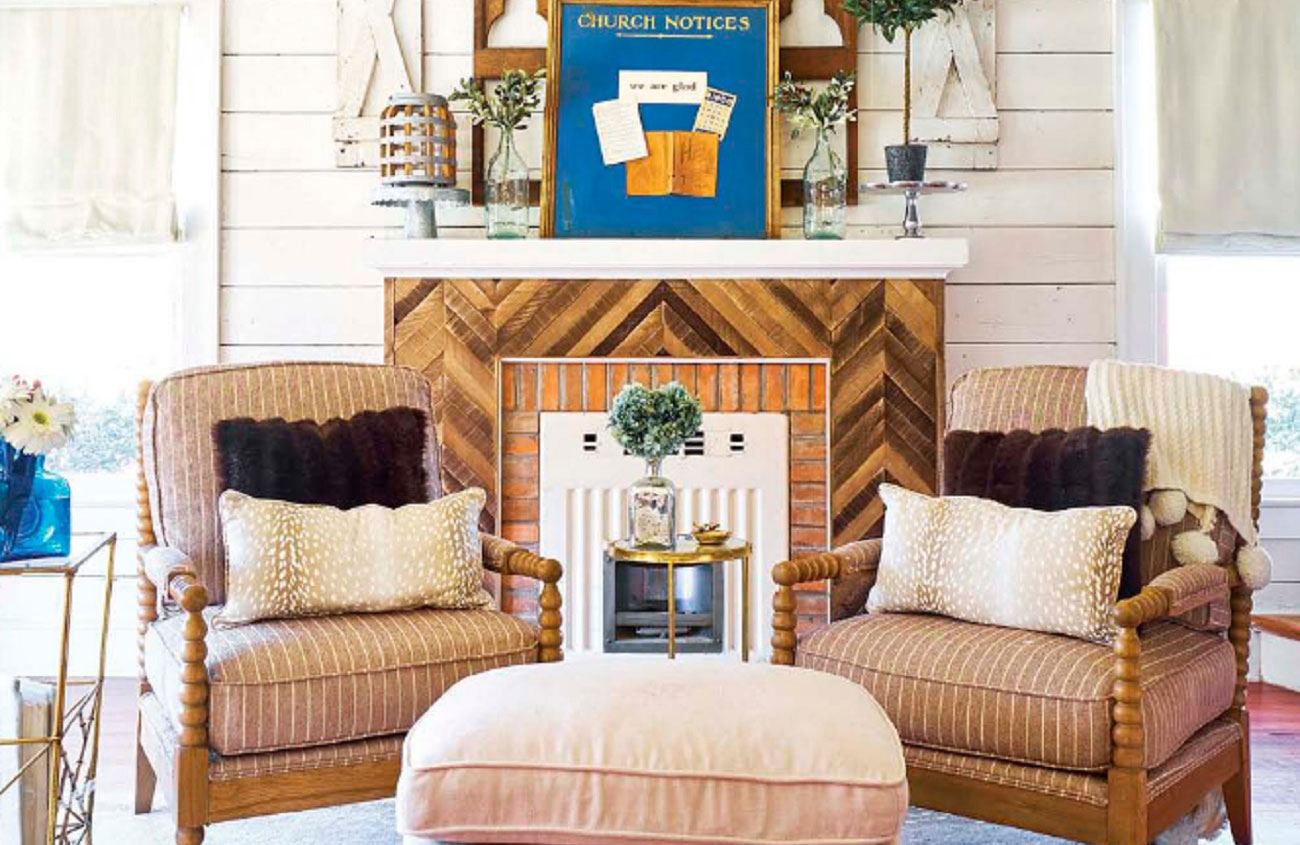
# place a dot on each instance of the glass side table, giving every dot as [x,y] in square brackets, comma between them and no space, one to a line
[72,764]
[688,552]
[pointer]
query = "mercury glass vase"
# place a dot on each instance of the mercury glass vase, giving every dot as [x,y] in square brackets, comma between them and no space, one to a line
[652,509]
[507,190]
[35,507]
[824,191]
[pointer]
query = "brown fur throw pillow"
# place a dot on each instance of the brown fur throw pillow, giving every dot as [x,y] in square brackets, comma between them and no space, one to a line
[1052,471]
[373,458]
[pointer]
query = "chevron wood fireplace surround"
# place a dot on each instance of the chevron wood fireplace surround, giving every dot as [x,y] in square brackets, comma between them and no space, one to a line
[845,337]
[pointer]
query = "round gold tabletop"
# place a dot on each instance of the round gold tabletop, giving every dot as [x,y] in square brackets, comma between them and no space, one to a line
[686,550]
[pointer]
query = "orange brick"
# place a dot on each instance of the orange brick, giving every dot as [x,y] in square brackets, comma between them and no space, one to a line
[684,374]
[803,424]
[804,537]
[526,377]
[706,386]
[571,387]
[639,373]
[807,471]
[597,390]
[663,373]
[807,448]
[509,388]
[519,532]
[806,492]
[519,422]
[751,391]
[811,604]
[728,387]
[617,378]
[520,444]
[808,514]
[819,387]
[800,393]
[519,605]
[519,510]
[773,387]
[550,387]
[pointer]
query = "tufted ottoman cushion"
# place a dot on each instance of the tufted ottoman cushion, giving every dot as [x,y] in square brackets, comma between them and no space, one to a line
[636,750]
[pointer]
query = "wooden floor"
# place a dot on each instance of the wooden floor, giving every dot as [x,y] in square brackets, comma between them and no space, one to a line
[1275,736]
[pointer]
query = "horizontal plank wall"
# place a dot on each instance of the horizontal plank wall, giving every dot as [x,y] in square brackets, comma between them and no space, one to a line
[1040,286]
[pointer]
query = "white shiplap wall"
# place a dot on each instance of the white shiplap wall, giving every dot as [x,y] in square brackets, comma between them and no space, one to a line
[1040,287]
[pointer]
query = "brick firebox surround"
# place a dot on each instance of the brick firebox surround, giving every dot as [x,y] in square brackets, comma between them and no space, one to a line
[495,350]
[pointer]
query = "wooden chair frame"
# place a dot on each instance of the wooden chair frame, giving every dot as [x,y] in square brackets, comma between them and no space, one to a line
[182,765]
[1132,816]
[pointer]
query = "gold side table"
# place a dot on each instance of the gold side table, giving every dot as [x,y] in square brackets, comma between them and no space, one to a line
[71,776]
[688,552]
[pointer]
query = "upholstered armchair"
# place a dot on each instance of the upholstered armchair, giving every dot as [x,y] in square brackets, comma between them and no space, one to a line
[1045,732]
[291,714]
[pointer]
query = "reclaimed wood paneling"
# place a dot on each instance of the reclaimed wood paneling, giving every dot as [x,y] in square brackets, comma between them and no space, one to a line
[884,340]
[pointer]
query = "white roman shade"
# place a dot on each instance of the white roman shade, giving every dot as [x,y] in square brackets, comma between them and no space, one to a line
[1228,92]
[87,124]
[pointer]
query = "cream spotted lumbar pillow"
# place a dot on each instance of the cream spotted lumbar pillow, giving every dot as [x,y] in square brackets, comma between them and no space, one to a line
[286,560]
[981,561]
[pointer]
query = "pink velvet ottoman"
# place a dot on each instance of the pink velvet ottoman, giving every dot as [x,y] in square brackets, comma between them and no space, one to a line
[637,750]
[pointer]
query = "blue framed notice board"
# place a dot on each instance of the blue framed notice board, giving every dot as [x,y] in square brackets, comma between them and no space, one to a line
[659,120]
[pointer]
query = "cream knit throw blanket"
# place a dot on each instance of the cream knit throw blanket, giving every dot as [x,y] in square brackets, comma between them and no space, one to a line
[1202,436]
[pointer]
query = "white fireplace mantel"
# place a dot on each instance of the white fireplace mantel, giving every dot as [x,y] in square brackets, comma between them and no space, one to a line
[453,258]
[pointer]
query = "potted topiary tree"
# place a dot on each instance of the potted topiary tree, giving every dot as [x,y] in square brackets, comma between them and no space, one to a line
[905,162]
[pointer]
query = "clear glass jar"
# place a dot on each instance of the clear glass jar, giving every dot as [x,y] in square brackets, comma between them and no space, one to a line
[824,191]
[652,510]
[507,190]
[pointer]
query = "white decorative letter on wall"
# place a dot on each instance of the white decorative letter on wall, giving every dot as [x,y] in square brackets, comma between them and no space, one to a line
[380,53]
[955,86]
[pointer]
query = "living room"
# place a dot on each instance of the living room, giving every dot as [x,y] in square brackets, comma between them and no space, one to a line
[710,421]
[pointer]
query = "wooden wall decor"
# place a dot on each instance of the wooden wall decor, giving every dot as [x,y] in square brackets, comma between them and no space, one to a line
[954,103]
[814,63]
[380,52]
[884,340]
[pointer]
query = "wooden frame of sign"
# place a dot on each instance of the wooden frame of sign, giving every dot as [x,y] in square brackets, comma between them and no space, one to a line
[803,63]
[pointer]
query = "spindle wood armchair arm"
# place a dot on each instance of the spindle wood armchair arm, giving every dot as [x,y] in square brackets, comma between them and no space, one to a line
[506,558]
[851,569]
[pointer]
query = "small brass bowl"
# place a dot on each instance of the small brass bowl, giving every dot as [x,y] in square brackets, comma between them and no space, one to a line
[710,535]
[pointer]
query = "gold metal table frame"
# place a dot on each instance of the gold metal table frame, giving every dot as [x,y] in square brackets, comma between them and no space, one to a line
[688,552]
[71,780]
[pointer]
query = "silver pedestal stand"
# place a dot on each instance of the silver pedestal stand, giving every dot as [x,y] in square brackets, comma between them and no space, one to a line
[910,191]
[420,202]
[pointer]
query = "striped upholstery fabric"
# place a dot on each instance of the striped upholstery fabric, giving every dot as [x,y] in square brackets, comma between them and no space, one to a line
[1018,695]
[373,750]
[180,459]
[1191,586]
[1010,398]
[1085,788]
[295,683]
[858,563]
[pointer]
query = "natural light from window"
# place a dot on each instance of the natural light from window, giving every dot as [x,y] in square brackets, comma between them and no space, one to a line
[1237,317]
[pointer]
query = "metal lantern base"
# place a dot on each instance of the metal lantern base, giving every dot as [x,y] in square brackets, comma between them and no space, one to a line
[421,203]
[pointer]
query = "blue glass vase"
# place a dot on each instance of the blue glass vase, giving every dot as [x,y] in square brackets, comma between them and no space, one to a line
[35,507]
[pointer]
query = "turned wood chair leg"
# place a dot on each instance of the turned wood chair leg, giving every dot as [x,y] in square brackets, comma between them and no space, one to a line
[1236,795]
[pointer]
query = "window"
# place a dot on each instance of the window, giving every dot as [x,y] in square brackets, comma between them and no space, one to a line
[1236,316]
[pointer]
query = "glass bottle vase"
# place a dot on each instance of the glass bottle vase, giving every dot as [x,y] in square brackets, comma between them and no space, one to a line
[35,507]
[652,509]
[824,191]
[507,190]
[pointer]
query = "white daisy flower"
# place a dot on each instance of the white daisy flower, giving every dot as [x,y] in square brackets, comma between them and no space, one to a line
[12,392]
[41,425]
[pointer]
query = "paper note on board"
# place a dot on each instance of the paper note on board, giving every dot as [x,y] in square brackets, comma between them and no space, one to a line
[618,126]
[715,112]
[662,86]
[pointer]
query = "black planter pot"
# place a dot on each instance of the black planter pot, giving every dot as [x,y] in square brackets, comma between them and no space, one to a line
[905,162]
